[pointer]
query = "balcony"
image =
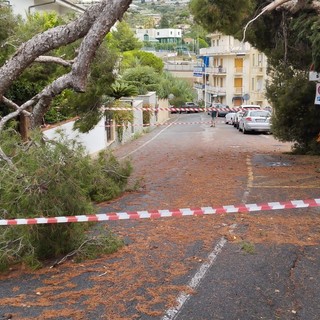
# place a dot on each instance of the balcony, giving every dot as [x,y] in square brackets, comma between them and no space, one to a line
[242,49]
[219,91]
[258,95]
[238,70]
[238,91]
[216,70]
[211,89]
[258,70]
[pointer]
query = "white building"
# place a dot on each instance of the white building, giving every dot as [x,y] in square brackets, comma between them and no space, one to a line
[161,35]
[24,7]
[231,73]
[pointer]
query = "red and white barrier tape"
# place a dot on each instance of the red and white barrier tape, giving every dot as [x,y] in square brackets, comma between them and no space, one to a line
[156,124]
[177,109]
[242,208]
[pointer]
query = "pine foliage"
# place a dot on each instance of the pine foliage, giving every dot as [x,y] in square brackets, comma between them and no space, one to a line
[53,178]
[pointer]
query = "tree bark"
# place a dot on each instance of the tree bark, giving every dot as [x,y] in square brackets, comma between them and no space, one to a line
[93,25]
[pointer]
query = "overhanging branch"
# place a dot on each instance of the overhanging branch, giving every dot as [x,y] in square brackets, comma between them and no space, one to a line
[50,59]
[13,105]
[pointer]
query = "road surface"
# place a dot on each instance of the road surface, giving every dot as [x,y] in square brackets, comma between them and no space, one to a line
[262,265]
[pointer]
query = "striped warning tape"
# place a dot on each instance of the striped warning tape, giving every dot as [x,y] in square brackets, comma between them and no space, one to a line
[242,208]
[156,124]
[177,109]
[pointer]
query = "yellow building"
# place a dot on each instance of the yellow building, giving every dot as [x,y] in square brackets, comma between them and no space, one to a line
[231,73]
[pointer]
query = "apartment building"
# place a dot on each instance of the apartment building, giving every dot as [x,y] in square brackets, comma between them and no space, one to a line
[231,72]
[24,7]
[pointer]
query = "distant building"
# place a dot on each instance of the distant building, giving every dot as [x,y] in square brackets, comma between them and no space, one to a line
[161,35]
[231,72]
[24,7]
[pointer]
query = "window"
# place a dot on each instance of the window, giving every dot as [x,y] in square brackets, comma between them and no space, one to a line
[259,84]
[260,59]
[252,84]
[259,113]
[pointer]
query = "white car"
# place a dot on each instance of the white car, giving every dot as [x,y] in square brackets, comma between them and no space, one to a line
[229,118]
[255,120]
[237,118]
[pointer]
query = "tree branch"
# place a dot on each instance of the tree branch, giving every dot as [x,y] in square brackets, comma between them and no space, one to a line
[275,4]
[290,5]
[46,59]
[45,42]
[94,24]
[13,114]
[11,104]
[77,78]
[4,157]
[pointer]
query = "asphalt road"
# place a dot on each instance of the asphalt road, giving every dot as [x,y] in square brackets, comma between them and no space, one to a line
[263,265]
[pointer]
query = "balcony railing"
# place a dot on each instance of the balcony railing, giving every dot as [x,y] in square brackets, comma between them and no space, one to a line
[258,95]
[257,69]
[216,70]
[221,91]
[243,49]
[238,90]
[238,70]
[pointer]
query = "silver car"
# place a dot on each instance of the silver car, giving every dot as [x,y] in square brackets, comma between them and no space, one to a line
[255,120]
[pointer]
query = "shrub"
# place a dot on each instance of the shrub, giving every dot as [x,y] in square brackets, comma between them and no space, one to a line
[51,178]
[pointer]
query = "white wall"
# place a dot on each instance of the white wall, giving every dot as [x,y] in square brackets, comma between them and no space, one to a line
[21,6]
[137,126]
[94,141]
[150,99]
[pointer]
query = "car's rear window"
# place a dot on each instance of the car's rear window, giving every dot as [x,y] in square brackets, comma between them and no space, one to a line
[259,114]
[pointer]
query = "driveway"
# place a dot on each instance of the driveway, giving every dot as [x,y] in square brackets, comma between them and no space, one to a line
[262,265]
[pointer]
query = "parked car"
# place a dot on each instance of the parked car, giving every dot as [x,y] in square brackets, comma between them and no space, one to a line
[223,109]
[229,117]
[250,106]
[193,107]
[240,113]
[255,120]
[237,118]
